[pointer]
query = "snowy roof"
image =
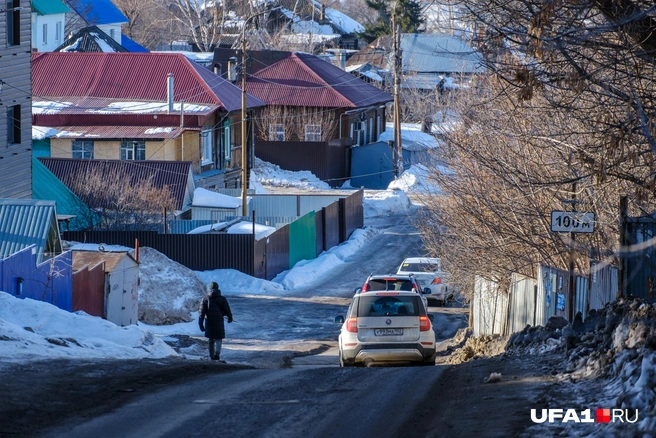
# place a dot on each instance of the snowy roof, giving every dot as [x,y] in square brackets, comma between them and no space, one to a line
[423,53]
[412,137]
[90,39]
[340,20]
[109,131]
[208,198]
[246,227]
[134,82]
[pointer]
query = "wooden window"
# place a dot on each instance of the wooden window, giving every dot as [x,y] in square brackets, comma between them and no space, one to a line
[312,132]
[276,132]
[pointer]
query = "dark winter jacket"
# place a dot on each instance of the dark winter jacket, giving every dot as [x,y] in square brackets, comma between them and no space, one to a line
[212,310]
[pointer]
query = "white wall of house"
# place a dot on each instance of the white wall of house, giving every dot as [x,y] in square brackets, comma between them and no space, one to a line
[47,31]
[113,30]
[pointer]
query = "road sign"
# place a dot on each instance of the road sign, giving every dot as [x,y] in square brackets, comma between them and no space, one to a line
[572,222]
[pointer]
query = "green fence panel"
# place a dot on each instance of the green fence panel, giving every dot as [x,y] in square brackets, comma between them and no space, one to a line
[303,239]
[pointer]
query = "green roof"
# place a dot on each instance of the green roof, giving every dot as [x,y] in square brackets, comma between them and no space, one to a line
[48,7]
[46,186]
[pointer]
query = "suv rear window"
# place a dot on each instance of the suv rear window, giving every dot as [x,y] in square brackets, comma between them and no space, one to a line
[383,284]
[389,306]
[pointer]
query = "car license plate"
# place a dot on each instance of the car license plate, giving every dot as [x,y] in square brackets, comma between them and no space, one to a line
[388,332]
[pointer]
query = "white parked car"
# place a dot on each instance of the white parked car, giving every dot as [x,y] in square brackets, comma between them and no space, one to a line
[428,273]
[386,327]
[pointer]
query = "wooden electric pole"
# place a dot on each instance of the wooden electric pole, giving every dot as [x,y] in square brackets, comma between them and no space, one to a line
[244,155]
[396,34]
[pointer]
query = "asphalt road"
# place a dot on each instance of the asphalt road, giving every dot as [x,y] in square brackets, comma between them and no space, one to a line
[306,395]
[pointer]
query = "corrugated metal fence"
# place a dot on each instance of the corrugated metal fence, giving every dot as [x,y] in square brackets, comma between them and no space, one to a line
[521,309]
[264,259]
[490,308]
[532,302]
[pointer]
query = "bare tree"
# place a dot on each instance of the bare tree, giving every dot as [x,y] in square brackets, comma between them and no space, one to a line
[509,166]
[568,112]
[148,23]
[116,202]
[296,122]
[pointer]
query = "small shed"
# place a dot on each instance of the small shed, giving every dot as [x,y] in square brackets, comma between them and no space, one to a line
[107,286]
[214,206]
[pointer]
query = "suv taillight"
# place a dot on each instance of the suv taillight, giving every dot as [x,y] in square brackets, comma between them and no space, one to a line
[365,288]
[352,325]
[436,280]
[424,323]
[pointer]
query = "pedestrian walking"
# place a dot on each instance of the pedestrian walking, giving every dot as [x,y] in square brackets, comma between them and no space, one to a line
[213,308]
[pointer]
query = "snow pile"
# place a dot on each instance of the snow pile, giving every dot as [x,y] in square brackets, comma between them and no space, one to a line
[617,343]
[476,347]
[416,179]
[34,330]
[208,198]
[378,203]
[268,174]
[168,291]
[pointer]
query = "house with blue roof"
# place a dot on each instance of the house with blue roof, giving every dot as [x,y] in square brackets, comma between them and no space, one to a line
[101,13]
[48,18]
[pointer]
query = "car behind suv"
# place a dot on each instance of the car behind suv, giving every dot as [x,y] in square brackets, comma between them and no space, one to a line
[386,327]
[429,274]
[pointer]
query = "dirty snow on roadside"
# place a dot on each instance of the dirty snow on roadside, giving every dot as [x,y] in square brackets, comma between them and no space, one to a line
[608,361]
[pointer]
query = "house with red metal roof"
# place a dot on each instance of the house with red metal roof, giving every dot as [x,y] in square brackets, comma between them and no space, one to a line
[315,111]
[140,106]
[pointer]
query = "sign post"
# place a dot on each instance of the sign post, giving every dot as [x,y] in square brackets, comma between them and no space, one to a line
[572,222]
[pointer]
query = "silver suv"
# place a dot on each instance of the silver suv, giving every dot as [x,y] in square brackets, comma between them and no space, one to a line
[385,328]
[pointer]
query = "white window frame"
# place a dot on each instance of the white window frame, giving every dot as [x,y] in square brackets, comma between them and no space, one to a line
[227,139]
[112,32]
[128,152]
[44,38]
[312,132]
[86,149]
[358,133]
[207,145]
[276,132]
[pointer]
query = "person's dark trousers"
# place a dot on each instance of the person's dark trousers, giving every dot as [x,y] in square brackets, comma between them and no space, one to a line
[215,348]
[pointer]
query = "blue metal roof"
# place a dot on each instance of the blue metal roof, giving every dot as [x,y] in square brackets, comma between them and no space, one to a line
[131,45]
[96,12]
[26,222]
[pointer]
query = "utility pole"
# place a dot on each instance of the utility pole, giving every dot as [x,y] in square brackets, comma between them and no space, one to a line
[396,35]
[244,155]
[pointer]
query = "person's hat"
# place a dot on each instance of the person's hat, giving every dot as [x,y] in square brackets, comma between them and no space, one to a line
[214,285]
